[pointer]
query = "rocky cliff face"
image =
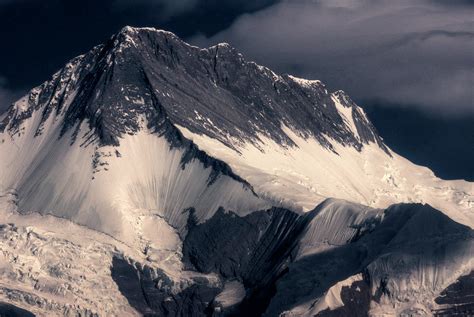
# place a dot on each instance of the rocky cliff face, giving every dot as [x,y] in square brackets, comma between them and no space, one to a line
[145,74]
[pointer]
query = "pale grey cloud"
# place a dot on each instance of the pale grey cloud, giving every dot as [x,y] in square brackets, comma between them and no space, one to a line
[413,52]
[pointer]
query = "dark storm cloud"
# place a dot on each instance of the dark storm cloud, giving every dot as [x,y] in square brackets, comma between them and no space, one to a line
[164,9]
[410,52]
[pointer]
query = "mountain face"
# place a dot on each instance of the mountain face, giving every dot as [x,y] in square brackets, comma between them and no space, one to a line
[152,75]
[151,177]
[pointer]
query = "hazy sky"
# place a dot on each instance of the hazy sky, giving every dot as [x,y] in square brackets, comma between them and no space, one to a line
[416,52]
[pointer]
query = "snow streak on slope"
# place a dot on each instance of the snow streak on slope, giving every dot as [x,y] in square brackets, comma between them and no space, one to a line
[114,189]
[304,175]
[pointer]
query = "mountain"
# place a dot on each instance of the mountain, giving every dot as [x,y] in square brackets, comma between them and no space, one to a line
[152,177]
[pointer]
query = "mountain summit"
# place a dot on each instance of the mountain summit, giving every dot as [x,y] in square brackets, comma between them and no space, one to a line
[210,185]
[146,74]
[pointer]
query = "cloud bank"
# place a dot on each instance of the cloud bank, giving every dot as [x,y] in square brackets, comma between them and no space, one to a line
[407,52]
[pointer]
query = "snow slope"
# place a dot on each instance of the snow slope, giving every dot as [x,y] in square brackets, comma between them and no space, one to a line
[305,174]
[53,267]
[119,190]
[109,126]
[386,262]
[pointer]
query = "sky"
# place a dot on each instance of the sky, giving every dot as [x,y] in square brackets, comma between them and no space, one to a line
[414,56]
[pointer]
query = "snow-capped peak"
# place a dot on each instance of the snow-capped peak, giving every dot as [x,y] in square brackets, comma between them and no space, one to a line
[213,117]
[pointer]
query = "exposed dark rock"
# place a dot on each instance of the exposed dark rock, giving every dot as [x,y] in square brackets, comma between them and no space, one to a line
[9,310]
[458,298]
[152,295]
[225,243]
[254,249]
